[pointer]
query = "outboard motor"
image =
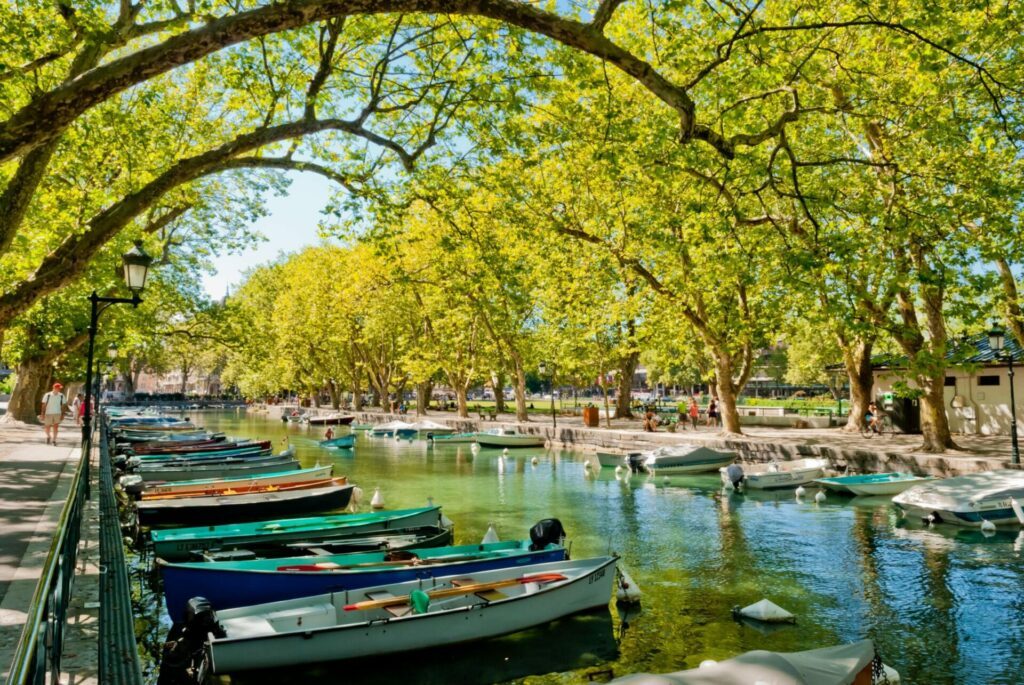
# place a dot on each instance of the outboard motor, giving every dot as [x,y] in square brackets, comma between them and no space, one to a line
[735,475]
[636,461]
[546,532]
[184,653]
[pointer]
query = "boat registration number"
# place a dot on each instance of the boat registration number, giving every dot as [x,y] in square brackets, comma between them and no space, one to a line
[596,576]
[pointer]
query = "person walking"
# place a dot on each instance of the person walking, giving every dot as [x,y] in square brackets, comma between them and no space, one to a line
[694,412]
[53,408]
[78,408]
[713,412]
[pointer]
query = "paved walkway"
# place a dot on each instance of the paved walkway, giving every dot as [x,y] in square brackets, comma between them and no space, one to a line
[35,485]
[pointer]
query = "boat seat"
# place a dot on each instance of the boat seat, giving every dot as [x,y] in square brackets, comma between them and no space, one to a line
[459,582]
[313,616]
[248,626]
[395,610]
[491,595]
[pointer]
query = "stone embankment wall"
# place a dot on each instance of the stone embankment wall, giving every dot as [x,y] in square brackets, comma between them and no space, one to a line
[858,459]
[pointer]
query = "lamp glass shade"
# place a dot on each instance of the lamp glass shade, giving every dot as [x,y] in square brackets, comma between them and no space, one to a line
[542,369]
[136,267]
[112,352]
[996,340]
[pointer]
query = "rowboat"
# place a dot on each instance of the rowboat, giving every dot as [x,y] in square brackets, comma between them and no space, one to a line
[229,584]
[452,438]
[607,459]
[134,483]
[149,469]
[508,437]
[244,450]
[342,441]
[331,420]
[133,436]
[840,665]
[198,443]
[406,433]
[361,426]
[176,544]
[873,483]
[686,459]
[970,500]
[244,483]
[383,620]
[174,447]
[387,541]
[775,475]
[292,502]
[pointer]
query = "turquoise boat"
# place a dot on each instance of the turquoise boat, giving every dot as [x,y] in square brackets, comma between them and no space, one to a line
[229,584]
[452,438]
[175,543]
[891,483]
[340,442]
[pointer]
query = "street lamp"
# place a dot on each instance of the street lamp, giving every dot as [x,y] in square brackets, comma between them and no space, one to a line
[135,264]
[997,343]
[542,369]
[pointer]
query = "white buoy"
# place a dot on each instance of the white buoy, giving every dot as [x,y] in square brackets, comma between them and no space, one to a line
[666,480]
[987,526]
[535,461]
[627,591]
[587,466]
[474,448]
[800,491]
[504,452]
[378,499]
[357,495]
[618,469]
[765,611]
[930,518]
[820,496]
[491,535]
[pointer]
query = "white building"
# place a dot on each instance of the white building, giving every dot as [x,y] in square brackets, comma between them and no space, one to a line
[977,389]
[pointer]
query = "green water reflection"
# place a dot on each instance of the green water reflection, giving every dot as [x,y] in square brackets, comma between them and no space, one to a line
[943,605]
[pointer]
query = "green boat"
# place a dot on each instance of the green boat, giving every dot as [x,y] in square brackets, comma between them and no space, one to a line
[176,543]
[452,437]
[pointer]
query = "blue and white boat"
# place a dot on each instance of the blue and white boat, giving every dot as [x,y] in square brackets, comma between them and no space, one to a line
[391,429]
[969,500]
[452,438]
[872,483]
[686,459]
[230,584]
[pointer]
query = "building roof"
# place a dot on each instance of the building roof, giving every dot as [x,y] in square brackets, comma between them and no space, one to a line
[964,352]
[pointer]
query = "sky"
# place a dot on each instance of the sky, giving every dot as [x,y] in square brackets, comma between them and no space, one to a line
[290,225]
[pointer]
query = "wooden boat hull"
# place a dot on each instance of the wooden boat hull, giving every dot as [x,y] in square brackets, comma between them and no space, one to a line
[136,482]
[244,507]
[522,440]
[244,483]
[176,544]
[242,583]
[331,420]
[309,633]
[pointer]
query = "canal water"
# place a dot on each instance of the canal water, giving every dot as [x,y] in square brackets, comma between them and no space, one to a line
[943,605]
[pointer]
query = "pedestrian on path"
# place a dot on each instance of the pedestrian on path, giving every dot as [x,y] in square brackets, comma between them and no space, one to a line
[78,408]
[713,412]
[53,408]
[694,413]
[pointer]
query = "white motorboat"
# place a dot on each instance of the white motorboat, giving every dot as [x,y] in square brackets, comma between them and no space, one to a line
[612,460]
[869,484]
[774,475]
[839,665]
[430,428]
[970,500]
[508,437]
[686,459]
[400,617]
[391,429]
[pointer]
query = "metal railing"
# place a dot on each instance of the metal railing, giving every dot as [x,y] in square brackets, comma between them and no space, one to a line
[39,649]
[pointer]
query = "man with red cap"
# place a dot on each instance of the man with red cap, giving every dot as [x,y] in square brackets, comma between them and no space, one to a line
[54,406]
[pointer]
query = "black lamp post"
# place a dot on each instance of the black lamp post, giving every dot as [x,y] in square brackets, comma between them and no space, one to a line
[136,269]
[997,343]
[542,369]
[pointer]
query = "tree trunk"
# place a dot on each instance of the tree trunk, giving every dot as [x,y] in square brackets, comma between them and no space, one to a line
[498,386]
[934,422]
[332,388]
[33,378]
[857,361]
[460,398]
[727,393]
[624,382]
[521,413]
[423,393]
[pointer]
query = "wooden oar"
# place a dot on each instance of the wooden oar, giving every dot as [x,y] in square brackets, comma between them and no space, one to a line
[456,591]
[333,566]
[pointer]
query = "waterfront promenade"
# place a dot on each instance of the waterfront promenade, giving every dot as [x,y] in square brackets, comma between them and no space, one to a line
[36,482]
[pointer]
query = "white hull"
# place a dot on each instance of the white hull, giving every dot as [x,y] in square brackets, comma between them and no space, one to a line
[687,459]
[967,500]
[489,440]
[891,488]
[612,460]
[790,474]
[305,631]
